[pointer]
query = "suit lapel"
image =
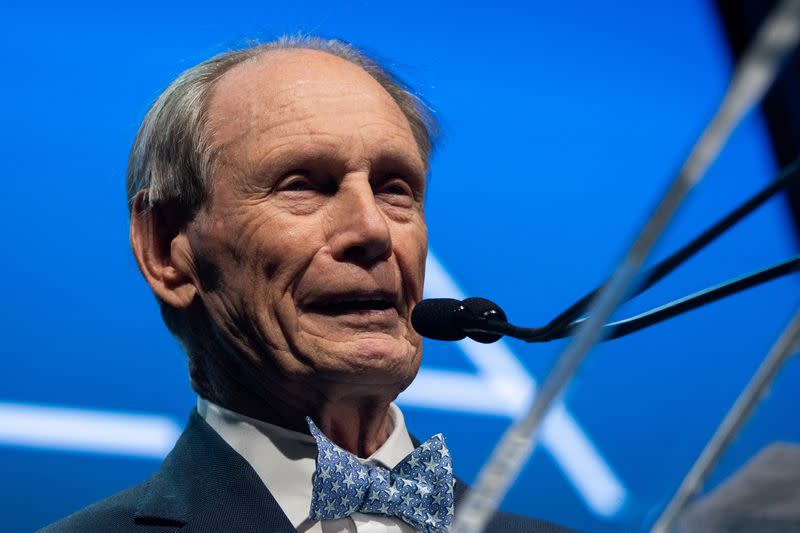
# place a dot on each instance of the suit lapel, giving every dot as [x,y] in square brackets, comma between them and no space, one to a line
[204,485]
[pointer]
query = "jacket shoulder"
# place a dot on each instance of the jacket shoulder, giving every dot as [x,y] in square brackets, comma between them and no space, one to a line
[112,514]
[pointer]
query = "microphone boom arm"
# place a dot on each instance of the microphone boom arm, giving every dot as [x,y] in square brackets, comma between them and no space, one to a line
[644,320]
[654,274]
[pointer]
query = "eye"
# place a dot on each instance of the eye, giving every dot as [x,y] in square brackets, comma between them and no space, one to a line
[296,181]
[298,185]
[398,187]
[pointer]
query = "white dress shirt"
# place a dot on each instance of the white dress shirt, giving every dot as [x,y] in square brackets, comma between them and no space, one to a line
[285,461]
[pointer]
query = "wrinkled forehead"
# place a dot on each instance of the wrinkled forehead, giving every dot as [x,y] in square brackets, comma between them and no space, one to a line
[283,86]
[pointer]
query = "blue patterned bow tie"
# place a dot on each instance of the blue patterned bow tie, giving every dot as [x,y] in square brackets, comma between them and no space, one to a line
[419,490]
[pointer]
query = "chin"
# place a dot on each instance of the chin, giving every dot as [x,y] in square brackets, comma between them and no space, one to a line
[374,361]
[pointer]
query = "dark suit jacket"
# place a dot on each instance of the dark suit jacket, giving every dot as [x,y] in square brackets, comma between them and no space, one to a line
[205,486]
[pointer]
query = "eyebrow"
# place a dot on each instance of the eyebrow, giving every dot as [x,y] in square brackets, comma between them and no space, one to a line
[296,155]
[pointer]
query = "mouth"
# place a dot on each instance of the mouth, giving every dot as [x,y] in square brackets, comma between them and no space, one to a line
[354,304]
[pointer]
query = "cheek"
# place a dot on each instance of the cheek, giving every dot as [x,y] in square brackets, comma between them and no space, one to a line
[257,259]
[411,248]
[271,245]
[288,246]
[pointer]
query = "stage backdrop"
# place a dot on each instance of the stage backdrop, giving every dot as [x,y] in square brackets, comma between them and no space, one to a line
[563,123]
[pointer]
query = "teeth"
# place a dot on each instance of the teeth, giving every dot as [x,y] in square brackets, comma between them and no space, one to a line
[362,299]
[358,299]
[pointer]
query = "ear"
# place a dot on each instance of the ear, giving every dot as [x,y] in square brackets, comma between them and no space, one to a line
[162,252]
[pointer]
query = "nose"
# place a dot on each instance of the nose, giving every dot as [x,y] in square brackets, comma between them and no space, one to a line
[360,230]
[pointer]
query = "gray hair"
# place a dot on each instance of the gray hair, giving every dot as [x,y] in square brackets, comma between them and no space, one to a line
[172,158]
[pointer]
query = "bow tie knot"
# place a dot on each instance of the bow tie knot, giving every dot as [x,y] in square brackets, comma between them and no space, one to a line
[419,490]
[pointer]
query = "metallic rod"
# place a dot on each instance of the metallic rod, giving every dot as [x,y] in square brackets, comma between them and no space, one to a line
[775,40]
[748,400]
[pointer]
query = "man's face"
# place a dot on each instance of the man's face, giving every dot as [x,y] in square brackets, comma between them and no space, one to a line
[313,232]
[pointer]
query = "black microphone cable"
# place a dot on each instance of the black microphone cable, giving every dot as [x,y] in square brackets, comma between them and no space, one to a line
[484,321]
[627,326]
[564,321]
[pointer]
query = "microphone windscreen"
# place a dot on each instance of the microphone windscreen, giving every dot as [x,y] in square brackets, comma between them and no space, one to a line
[486,309]
[435,318]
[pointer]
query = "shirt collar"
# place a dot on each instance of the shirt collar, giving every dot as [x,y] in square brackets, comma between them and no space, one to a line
[285,460]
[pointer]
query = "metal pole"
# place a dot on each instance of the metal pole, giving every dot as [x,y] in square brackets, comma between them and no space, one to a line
[785,347]
[775,40]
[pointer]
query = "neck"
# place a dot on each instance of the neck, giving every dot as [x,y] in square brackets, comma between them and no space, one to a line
[354,418]
[360,427]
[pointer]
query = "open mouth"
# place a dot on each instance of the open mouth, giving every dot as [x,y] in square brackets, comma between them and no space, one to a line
[347,304]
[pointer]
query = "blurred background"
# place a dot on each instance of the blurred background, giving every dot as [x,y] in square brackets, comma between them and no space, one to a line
[564,122]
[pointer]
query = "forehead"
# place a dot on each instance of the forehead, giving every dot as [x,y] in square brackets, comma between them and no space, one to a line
[291,94]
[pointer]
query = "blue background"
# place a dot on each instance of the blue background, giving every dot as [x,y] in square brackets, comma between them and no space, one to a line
[563,124]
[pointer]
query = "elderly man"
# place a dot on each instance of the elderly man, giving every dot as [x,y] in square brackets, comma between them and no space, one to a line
[276,198]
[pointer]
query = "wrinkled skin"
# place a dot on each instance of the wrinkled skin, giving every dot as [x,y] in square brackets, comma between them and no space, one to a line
[309,253]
